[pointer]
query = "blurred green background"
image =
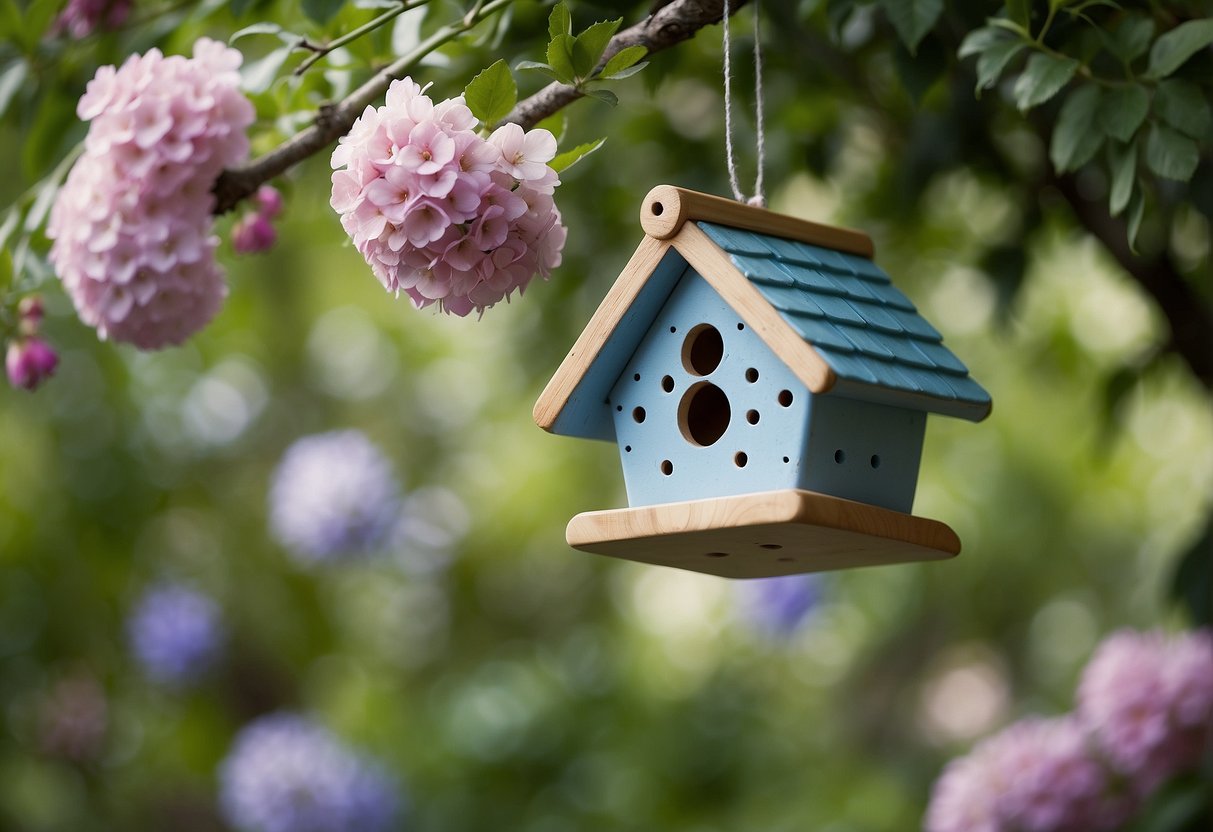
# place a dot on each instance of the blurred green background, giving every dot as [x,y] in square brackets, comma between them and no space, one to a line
[510,682]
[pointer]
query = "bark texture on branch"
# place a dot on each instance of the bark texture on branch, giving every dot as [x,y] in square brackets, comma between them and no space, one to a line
[671,25]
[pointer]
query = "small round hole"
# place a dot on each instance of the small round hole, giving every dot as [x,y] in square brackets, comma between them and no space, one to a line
[771,546]
[740,326]
[673,329]
[702,350]
[638,414]
[667,467]
[786,460]
[785,398]
[667,384]
[875,460]
[657,208]
[839,456]
[751,375]
[636,377]
[715,554]
[752,417]
[619,407]
[740,459]
[627,449]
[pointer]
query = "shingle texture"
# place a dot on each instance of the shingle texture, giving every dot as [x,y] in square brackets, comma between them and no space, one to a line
[846,307]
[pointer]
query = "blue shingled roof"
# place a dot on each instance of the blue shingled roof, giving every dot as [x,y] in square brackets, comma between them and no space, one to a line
[855,318]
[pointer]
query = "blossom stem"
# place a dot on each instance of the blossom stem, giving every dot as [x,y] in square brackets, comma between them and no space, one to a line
[320,52]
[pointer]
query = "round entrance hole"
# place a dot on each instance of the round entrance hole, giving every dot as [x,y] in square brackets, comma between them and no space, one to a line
[702,350]
[703,414]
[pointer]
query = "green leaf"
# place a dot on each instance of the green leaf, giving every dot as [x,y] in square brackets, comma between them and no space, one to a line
[1131,38]
[11,80]
[1122,162]
[1123,110]
[1137,210]
[994,60]
[918,73]
[624,59]
[559,21]
[262,28]
[1043,78]
[912,19]
[322,11]
[603,95]
[492,94]
[566,160]
[1171,154]
[6,269]
[1179,103]
[1173,49]
[589,46]
[1020,11]
[560,59]
[1074,142]
[544,68]
[979,40]
[257,76]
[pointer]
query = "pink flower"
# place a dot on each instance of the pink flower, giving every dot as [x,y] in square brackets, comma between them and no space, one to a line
[253,233]
[80,18]
[439,212]
[132,230]
[1147,700]
[966,794]
[29,362]
[269,202]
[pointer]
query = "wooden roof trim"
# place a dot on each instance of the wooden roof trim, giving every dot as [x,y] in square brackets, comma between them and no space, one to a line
[593,338]
[716,267]
[666,209]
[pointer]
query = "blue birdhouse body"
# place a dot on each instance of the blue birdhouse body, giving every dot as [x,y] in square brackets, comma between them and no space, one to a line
[735,359]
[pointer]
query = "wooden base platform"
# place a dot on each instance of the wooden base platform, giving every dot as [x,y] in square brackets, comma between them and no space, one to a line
[760,535]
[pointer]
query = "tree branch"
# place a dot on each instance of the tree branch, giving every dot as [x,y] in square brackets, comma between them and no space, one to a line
[1186,311]
[673,24]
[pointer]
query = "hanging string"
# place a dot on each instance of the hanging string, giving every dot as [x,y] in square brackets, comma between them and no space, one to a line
[758,199]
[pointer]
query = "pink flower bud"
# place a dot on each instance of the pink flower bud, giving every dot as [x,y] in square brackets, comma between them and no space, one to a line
[29,362]
[269,202]
[30,309]
[253,233]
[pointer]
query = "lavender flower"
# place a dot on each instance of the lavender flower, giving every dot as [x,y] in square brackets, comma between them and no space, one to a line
[333,495]
[176,634]
[1147,700]
[285,773]
[778,606]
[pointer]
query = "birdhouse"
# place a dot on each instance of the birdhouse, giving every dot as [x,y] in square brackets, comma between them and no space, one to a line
[768,389]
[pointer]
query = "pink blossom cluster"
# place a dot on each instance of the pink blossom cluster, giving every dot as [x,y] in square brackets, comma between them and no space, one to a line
[132,224]
[1145,714]
[441,213]
[80,18]
[1147,700]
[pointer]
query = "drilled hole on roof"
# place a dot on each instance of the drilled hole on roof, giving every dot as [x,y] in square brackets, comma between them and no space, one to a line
[667,384]
[704,414]
[751,375]
[702,350]
[667,467]
[657,208]
[785,398]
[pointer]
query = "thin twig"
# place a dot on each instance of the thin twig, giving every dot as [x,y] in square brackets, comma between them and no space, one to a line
[319,52]
[671,25]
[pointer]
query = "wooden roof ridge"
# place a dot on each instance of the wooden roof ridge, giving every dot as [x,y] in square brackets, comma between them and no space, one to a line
[666,208]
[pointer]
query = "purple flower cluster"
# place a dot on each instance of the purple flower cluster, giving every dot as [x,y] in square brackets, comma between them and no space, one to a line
[439,212]
[333,495]
[80,18]
[1145,713]
[132,223]
[285,773]
[176,634]
[778,606]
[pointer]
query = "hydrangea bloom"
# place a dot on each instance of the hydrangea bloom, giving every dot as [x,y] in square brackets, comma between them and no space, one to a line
[175,633]
[440,213]
[1147,700]
[132,223]
[1036,776]
[779,605]
[284,773]
[333,494]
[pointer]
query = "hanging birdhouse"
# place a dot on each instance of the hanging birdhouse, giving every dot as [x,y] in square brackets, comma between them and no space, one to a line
[768,389]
